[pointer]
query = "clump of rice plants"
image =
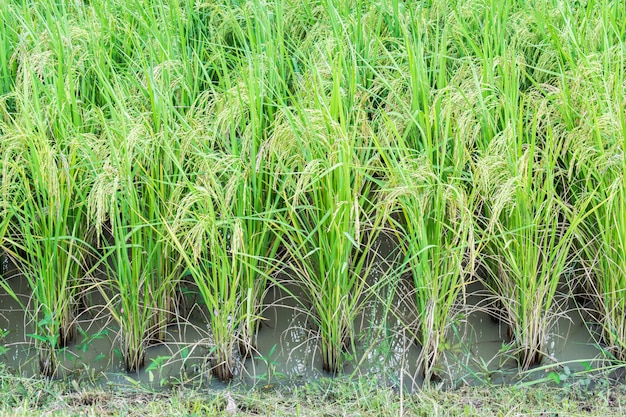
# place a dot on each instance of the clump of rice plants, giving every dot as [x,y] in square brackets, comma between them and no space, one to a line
[127,289]
[333,213]
[329,228]
[598,168]
[590,96]
[606,260]
[44,185]
[606,263]
[129,203]
[138,162]
[46,241]
[436,230]
[527,231]
[209,238]
[425,136]
[256,196]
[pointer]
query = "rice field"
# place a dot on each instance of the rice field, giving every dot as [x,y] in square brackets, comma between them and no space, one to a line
[371,161]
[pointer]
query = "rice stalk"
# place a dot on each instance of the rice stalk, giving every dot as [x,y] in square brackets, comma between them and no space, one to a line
[210,240]
[528,233]
[46,242]
[596,165]
[329,228]
[245,112]
[436,230]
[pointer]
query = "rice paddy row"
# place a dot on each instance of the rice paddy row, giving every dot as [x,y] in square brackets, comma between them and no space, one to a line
[230,141]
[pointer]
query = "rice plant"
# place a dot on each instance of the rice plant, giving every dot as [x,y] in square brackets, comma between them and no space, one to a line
[244,114]
[138,165]
[44,191]
[528,234]
[334,213]
[129,202]
[131,199]
[605,254]
[436,229]
[329,228]
[46,242]
[595,156]
[210,239]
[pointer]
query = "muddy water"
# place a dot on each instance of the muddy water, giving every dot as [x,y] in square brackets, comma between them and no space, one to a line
[480,353]
[289,348]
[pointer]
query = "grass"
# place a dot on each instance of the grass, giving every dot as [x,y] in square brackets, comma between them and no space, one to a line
[23,396]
